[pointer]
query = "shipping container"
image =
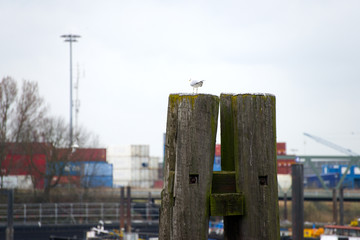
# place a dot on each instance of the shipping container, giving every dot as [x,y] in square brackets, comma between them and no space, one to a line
[97,169]
[217,163]
[154,162]
[16,182]
[135,167]
[122,173]
[15,164]
[118,151]
[64,168]
[330,180]
[159,184]
[140,150]
[218,150]
[281,148]
[354,170]
[82,154]
[89,155]
[96,181]
[284,166]
[357,171]
[120,162]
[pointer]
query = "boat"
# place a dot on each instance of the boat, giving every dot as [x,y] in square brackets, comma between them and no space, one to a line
[337,232]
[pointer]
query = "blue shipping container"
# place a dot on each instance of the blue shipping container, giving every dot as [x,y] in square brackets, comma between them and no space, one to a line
[330,180]
[96,181]
[354,170]
[217,163]
[64,168]
[98,169]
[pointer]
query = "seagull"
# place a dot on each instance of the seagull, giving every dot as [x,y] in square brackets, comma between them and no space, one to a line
[196,84]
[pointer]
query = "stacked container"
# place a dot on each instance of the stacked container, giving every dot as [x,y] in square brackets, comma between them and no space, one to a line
[217,160]
[22,171]
[97,174]
[133,166]
[352,179]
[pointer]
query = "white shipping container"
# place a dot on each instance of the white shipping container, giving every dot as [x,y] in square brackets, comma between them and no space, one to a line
[17,181]
[24,182]
[120,162]
[121,183]
[133,166]
[135,175]
[122,174]
[153,174]
[135,162]
[140,150]
[154,162]
[118,151]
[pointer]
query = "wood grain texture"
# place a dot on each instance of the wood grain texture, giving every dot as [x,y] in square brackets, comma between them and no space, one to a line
[189,153]
[254,151]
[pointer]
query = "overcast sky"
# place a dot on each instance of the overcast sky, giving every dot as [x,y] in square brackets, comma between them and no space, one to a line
[133,54]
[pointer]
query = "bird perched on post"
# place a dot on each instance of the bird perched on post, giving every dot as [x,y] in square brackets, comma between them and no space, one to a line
[196,84]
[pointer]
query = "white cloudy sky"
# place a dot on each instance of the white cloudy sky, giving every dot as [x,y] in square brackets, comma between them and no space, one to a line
[135,53]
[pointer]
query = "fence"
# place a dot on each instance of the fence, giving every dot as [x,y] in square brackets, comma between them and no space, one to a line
[77,213]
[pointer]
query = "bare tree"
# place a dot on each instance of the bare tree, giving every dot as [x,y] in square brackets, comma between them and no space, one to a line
[26,126]
[84,138]
[29,112]
[8,93]
[54,132]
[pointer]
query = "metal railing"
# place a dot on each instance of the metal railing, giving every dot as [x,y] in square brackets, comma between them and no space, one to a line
[76,213]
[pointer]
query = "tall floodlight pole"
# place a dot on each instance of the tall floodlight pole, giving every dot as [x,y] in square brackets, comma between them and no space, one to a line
[71,38]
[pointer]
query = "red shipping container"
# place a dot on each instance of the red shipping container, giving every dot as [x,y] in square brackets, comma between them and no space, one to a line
[159,184]
[218,150]
[15,164]
[284,166]
[281,148]
[85,154]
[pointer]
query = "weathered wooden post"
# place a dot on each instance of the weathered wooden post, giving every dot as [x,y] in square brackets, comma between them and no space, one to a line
[341,205]
[248,147]
[128,209]
[122,209]
[285,207]
[334,199]
[297,195]
[189,157]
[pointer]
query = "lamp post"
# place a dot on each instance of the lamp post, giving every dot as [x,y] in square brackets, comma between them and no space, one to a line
[71,38]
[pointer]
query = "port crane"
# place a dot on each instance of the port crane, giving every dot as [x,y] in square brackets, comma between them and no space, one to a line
[340,149]
[332,145]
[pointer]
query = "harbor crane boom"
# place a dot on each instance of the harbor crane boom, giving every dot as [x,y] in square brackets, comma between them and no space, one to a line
[332,145]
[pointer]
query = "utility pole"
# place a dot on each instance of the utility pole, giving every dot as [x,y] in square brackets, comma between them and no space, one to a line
[71,38]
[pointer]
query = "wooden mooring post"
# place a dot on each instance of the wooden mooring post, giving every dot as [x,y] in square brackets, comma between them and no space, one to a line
[297,195]
[244,192]
[248,151]
[189,157]
[334,199]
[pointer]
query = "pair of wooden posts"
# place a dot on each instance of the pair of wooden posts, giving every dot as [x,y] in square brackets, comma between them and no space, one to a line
[244,192]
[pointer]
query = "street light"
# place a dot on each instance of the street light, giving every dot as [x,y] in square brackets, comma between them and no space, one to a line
[71,38]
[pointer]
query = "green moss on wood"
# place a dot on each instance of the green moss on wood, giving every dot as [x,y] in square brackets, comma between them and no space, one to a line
[227,133]
[226,204]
